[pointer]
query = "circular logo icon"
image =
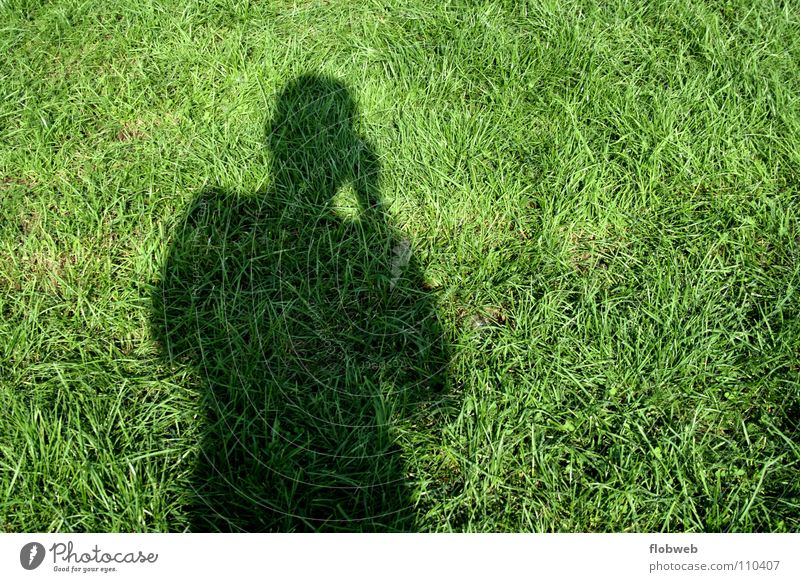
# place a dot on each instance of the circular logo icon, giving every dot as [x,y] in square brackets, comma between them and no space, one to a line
[31,555]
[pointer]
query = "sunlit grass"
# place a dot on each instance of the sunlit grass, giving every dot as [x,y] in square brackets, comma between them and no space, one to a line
[602,198]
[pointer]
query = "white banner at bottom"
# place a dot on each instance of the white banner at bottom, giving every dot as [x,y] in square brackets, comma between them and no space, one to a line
[407,557]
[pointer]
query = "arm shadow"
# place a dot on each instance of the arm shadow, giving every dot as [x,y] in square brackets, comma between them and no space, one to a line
[311,333]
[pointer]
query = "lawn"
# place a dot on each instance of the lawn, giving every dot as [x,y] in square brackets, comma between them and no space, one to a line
[399,265]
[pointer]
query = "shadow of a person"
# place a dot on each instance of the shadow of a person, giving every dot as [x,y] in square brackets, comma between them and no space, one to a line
[312,334]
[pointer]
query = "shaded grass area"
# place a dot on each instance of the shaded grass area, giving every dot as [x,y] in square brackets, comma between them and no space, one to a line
[601,198]
[313,331]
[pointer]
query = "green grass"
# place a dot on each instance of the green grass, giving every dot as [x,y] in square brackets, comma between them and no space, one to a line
[201,205]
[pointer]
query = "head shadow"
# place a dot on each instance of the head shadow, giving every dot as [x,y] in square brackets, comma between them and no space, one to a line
[309,330]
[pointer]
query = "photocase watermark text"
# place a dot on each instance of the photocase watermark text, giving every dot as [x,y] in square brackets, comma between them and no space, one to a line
[66,554]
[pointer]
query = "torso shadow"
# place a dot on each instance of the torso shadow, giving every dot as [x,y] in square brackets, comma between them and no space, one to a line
[313,335]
